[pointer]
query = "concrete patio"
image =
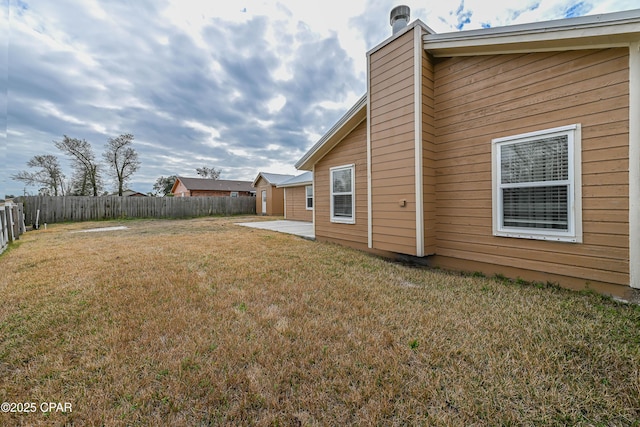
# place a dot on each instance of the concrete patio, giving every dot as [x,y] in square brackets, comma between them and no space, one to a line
[299,228]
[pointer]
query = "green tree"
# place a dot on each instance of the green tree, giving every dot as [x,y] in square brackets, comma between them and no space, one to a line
[164,185]
[206,172]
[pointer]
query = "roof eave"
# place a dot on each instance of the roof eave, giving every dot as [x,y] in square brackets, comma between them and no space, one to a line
[598,31]
[409,27]
[342,128]
[175,184]
[295,184]
[255,181]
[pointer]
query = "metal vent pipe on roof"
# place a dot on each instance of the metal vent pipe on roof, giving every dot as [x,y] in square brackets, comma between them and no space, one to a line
[399,17]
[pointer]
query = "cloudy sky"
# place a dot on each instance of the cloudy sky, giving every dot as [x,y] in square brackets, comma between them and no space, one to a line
[240,85]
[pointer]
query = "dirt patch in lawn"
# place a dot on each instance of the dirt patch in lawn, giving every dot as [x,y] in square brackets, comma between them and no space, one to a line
[202,322]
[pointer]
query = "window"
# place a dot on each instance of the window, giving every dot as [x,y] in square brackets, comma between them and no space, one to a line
[234,194]
[309,193]
[537,185]
[342,194]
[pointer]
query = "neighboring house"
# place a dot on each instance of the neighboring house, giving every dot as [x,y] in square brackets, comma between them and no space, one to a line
[511,150]
[204,187]
[269,198]
[129,193]
[298,197]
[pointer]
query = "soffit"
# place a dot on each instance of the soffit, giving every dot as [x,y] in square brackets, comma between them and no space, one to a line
[588,32]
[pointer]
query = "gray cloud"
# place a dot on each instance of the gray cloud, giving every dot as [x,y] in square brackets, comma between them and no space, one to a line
[187,105]
[241,96]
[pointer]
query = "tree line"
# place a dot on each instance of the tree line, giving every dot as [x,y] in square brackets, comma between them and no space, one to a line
[120,162]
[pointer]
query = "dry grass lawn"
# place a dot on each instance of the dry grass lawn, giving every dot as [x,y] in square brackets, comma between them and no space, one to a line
[202,322]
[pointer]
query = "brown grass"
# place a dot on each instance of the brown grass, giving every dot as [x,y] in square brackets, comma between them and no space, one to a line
[202,322]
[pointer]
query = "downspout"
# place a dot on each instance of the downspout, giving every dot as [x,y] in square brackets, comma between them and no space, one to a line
[634,165]
[369,202]
[284,200]
[313,194]
[417,118]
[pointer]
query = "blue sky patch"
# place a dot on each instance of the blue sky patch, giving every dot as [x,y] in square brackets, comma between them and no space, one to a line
[578,9]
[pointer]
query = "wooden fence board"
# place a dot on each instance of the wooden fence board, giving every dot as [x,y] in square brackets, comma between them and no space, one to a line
[55,209]
[11,223]
[4,238]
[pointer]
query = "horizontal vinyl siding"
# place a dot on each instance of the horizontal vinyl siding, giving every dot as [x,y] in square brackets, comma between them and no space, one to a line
[351,150]
[480,98]
[261,186]
[392,130]
[275,201]
[296,204]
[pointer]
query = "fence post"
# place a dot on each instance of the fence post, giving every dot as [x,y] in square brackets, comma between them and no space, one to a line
[4,239]
[9,209]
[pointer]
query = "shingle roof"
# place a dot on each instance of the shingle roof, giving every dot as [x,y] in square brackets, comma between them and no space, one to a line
[203,184]
[272,178]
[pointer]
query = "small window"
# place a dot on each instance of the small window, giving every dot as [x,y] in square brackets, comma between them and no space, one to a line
[309,192]
[234,194]
[342,194]
[537,186]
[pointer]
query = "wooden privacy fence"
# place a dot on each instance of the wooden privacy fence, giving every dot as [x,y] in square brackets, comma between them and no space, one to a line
[11,223]
[84,208]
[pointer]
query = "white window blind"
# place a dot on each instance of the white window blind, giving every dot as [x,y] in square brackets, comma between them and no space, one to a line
[342,201]
[309,196]
[535,181]
[536,192]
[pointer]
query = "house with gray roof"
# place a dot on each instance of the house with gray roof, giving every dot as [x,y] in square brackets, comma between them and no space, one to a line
[270,199]
[298,197]
[205,187]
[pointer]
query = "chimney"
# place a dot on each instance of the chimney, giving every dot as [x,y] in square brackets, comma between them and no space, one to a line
[400,17]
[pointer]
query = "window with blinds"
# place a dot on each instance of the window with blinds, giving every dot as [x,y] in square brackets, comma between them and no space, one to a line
[342,194]
[535,185]
[309,196]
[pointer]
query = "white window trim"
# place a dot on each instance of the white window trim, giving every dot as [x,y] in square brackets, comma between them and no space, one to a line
[306,197]
[574,194]
[341,219]
[234,194]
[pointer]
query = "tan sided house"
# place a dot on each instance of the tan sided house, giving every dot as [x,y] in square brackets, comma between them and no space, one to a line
[298,197]
[269,198]
[511,150]
[205,187]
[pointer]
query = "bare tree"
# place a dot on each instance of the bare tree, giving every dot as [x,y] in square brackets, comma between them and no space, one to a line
[211,173]
[49,175]
[86,171]
[122,159]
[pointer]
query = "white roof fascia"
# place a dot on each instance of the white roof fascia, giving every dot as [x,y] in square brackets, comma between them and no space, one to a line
[255,181]
[294,184]
[605,30]
[298,181]
[362,103]
[409,27]
[271,178]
